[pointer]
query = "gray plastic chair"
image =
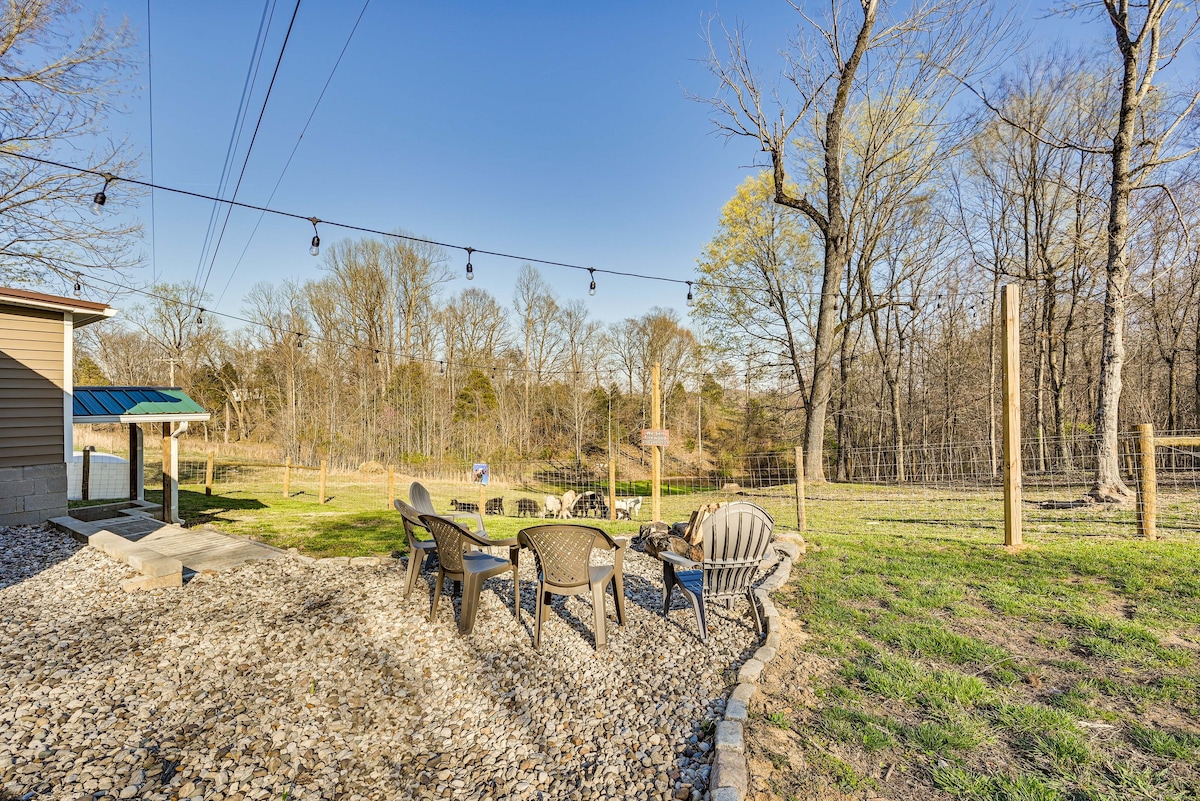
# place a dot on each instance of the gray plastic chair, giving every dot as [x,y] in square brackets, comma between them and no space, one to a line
[736,538]
[418,498]
[417,549]
[457,562]
[563,553]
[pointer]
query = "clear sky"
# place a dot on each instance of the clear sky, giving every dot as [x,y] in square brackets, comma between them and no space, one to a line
[559,130]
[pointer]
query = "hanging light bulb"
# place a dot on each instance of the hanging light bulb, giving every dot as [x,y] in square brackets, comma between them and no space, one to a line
[100,198]
[299,340]
[316,240]
[200,317]
[690,301]
[470,277]
[592,286]
[78,287]
[441,368]
[377,357]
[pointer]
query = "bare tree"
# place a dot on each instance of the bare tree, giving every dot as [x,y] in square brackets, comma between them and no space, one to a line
[58,74]
[823,73]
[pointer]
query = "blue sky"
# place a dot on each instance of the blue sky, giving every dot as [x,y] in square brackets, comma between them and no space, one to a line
[559,130]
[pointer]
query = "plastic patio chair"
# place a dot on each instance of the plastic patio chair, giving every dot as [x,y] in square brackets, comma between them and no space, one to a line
[563,553]
[460,564]
[417,549]
[735,540]
[418,498]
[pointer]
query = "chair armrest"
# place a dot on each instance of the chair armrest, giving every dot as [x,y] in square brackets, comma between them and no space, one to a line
[478,518]
[479,538]
[676,560]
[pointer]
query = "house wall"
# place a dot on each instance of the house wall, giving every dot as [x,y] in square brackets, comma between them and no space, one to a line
[34,377]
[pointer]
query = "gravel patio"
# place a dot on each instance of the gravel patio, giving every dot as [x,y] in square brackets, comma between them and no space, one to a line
[318,680]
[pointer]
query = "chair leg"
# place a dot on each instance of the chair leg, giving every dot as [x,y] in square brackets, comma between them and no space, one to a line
[598,616]
[470,603]
[668,586]
[416,560]
[698,605]
[543,605]
[437,592]
[516,595]
[618,586]
[758,626]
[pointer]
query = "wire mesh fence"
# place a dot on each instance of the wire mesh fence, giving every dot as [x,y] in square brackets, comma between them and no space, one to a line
[951,484]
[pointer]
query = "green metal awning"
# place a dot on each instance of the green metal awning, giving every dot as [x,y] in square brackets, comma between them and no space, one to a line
[134,405]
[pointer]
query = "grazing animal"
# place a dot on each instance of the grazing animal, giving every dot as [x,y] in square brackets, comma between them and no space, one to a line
[590,504]
[494,506]
[629,508]
[463,506]
[568,504]
[553,507]
[526,507]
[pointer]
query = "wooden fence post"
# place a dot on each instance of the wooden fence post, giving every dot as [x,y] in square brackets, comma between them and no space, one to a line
[655,450]
[321,489]
[208,472]
[85,488]
[801,516]
[1011,315]
[287,477]
[391,487]
[1147,503]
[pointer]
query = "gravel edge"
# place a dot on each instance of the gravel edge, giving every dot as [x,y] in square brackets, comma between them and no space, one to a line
[730,775]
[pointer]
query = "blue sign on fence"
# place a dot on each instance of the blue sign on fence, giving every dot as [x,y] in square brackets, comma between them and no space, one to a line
[479,474]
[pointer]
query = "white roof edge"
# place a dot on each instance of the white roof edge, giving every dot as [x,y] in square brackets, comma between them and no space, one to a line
[84,419]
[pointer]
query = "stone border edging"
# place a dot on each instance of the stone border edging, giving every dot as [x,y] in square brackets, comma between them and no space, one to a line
[730,775]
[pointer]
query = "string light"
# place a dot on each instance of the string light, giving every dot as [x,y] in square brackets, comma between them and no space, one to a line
[592,286]
[315,250]
[690,302]
[200,317]
[78,287]
[377,357]
[441,368]
[101,197]
[470,269]
[299,340]
[376,232]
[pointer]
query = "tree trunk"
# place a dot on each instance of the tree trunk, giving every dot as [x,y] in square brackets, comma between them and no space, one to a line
[1108,485]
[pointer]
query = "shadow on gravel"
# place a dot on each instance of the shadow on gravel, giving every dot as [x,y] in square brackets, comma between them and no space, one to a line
[26,551]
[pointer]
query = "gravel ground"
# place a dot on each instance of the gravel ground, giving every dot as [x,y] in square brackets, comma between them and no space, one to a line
[291,679]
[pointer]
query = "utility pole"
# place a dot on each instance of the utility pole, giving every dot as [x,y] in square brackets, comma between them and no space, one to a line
[172,361]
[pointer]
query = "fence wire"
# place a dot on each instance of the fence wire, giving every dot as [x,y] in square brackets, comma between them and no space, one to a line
[950,484]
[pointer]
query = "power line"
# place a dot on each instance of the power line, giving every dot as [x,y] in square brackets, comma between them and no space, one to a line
[235,133]
[150,94]
[261,112]
[295,147]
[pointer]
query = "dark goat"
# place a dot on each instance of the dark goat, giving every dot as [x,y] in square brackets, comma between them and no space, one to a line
[590,504]
[526,506]
[494,506]
[463,506]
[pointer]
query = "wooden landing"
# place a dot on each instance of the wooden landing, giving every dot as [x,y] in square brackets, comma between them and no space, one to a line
[199,549]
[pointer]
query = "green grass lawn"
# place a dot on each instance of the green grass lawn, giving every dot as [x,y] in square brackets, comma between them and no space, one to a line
[356,521]
[1069,670]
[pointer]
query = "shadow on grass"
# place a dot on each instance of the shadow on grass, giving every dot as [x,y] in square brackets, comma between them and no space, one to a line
[198,509]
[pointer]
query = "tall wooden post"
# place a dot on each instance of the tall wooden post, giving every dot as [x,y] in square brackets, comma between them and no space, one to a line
[168,510]
[1011,315]
[208,472]
[1147,500]
[321,486]
[655,450]
[135,461]
[801,516]
[391,487]
[85,487]
[612,481]
[482,501]
[287,477]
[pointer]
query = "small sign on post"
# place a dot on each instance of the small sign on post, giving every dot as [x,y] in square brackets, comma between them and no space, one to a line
[656,436]
[479,475]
